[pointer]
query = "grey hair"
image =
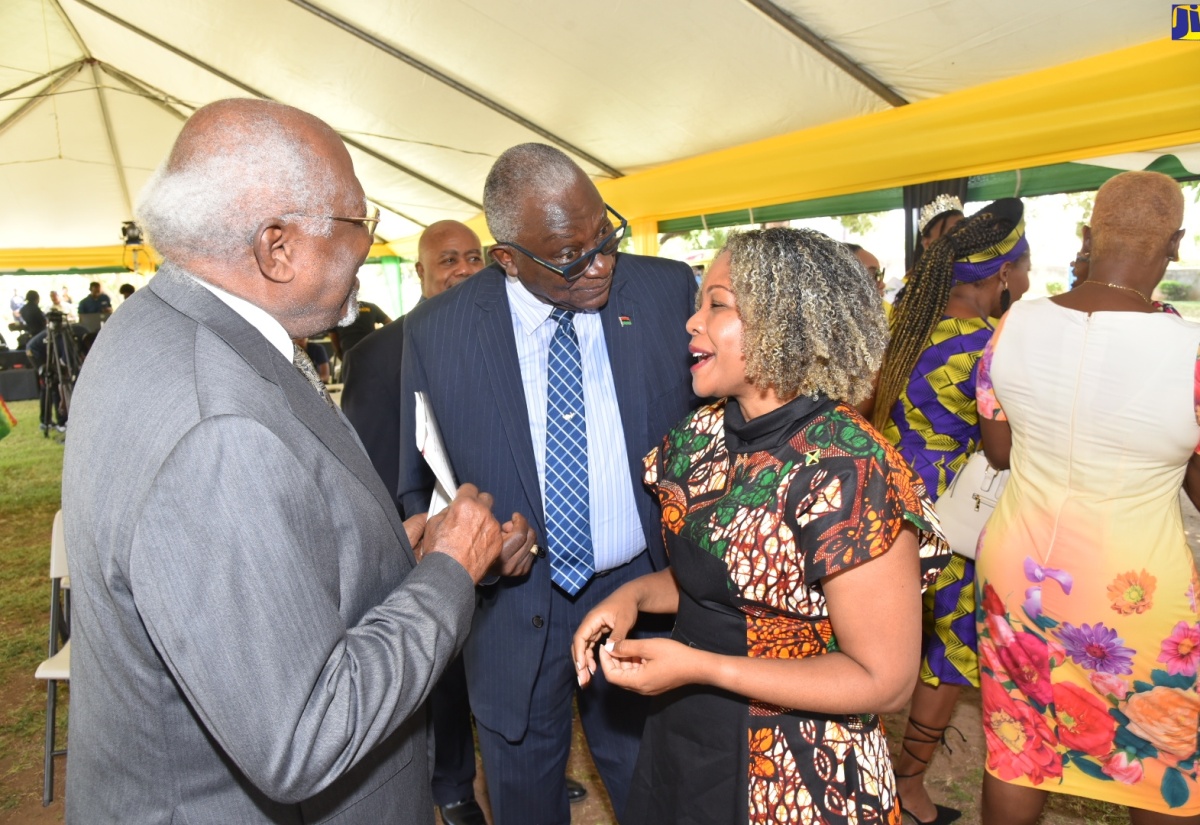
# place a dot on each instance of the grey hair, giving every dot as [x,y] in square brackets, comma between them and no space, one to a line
[525,168]
[812,318]
[254,167]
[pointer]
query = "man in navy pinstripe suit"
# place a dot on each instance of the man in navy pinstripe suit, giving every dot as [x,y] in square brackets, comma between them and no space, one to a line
[481,351]
[448,252]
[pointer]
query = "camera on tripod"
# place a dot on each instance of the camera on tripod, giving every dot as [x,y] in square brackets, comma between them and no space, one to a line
[60,360]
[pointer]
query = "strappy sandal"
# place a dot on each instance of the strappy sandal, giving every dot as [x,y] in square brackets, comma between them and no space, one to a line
[937,737]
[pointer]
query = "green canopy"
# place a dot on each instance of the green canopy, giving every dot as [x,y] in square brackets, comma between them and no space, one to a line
[1038,180]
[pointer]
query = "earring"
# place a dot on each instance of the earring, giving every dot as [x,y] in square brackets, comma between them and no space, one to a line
[1005,300]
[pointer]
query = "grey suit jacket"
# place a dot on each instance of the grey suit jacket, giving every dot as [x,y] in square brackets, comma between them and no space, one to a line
[252,641]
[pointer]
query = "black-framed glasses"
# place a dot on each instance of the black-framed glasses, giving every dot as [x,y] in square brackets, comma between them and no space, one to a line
[573,270]
[368,223]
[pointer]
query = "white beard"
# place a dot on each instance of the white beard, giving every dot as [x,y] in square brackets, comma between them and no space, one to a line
[351,309]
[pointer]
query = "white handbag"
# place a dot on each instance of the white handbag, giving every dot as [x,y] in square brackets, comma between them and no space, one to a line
[968,502]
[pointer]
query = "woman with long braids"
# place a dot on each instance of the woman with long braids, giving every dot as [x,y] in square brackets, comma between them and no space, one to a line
[925,405]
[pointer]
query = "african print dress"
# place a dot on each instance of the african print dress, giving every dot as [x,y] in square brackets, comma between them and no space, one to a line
[1089,633]
[935,427]
[755,514]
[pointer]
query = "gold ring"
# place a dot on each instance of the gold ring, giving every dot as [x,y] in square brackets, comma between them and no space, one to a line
[533,550]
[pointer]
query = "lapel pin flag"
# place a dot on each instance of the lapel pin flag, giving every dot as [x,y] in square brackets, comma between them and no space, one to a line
[625,320]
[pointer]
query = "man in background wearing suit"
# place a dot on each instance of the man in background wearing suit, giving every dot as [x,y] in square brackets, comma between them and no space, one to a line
[448,252]
[551,374]
[253,638]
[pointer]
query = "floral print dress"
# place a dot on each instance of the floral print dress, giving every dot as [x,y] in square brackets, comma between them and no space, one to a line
[755,514]
[1089,634]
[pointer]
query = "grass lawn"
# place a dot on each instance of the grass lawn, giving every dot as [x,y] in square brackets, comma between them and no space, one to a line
[30,489]
[1188,309]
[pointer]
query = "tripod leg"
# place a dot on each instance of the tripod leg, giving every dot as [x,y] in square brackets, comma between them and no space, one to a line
[46,396]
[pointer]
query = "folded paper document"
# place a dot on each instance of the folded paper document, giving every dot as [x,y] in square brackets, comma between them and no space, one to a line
[429,442]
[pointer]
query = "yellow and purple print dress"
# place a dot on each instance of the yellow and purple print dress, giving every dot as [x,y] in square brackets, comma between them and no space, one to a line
[755,514]
[1089,633]
[935,427]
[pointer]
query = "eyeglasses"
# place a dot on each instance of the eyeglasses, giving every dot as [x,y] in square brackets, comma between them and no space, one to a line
[368,223]
[877,274]
[573,270]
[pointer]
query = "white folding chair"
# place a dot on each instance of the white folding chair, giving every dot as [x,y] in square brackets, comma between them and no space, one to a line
[57,667]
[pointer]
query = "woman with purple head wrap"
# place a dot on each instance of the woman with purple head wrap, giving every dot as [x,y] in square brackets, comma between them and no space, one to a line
[925,405]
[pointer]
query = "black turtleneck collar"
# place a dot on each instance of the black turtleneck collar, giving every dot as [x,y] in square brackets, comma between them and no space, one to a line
[771,430]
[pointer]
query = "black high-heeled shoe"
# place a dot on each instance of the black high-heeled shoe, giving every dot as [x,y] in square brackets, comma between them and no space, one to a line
[938,736]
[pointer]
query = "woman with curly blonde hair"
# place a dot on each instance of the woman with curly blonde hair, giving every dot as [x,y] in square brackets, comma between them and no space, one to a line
[796,571]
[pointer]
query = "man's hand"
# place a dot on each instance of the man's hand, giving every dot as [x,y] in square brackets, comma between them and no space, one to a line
[467,532]
[415,528]
[519,547]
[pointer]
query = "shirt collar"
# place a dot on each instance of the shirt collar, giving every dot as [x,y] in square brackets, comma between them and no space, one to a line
[256,317]
[528,310]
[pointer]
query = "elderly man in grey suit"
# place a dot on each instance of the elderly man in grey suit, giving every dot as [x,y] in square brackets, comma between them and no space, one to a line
[253,637]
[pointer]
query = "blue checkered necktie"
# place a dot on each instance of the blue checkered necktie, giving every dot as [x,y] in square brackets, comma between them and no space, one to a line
[568,514]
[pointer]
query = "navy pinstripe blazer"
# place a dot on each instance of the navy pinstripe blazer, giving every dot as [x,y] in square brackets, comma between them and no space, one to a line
[459,348]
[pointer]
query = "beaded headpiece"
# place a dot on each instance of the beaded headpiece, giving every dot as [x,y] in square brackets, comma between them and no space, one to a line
[939,205]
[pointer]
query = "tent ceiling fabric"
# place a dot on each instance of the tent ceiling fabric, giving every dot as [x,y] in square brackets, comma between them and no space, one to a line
[630,85]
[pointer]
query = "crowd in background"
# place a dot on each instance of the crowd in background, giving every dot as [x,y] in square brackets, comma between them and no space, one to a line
[705,512]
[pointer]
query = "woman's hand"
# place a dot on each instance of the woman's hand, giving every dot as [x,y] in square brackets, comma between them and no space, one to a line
[997,441]
[614,616]
[651,666]
[1191,480]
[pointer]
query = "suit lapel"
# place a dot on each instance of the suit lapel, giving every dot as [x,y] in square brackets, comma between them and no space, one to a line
[336,433]
[499,348]
[177,288]
[624,342]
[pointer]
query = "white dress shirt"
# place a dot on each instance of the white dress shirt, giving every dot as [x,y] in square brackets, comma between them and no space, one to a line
[617,535]
[256,317]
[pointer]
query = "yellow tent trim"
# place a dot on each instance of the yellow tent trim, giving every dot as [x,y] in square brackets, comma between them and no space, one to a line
[82,257]
[1139,98]
[93,257]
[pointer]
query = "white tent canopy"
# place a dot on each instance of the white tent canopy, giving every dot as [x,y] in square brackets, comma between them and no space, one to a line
[93,92]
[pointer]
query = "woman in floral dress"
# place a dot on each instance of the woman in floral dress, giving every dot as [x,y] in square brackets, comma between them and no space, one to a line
[796,571]
[1089,634]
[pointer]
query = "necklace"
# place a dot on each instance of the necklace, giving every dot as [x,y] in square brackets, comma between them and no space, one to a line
[1119,286]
